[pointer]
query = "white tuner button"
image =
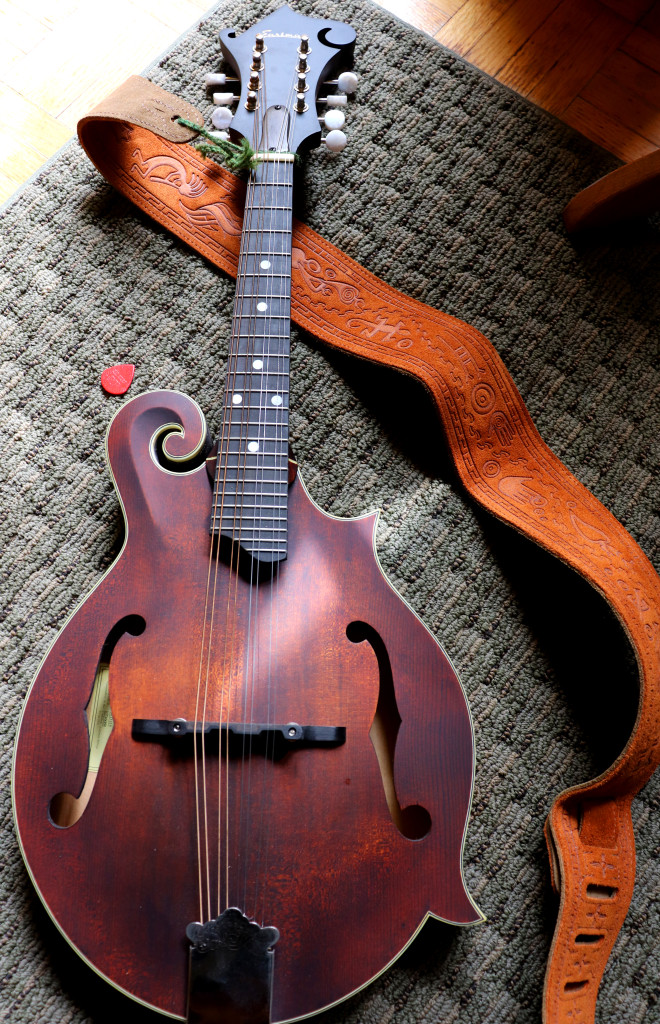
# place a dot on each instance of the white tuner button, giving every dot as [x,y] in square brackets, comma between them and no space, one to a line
[214,79]
[335,141]
[334,118]
[221,117]
[223,99]
[347,82]
[220,136]
[336,101]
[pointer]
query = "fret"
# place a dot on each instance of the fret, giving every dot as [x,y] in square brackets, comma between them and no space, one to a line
[233,417]
[249,475]
[255,455]
[264,539]
[230,511]
[266,405]
[262,254]
[225,523]
[267,296]
[271,281]
[238,494]
[249,413]
[263,407]
[271,316]
[272,517]
[256,505]
[267,529]
[246,431]
[280,263]
[272,225]
[262,545]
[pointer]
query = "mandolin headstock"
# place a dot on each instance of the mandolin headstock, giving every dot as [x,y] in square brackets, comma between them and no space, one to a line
[283,61]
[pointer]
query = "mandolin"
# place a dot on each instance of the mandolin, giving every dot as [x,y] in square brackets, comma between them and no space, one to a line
[243,772]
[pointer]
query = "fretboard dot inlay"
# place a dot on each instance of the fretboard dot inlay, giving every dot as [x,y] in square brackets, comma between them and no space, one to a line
[237,399]
[276,400]
[265,264]
[258,364]
[262,306]
[253,446]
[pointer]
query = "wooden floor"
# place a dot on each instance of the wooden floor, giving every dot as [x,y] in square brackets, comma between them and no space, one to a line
[593,63]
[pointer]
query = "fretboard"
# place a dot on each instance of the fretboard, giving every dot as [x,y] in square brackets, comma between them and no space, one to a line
[250,496]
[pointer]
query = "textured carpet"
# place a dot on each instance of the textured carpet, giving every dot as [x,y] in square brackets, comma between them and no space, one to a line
[451,190]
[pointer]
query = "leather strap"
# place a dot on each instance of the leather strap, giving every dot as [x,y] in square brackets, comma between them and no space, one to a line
[500,458]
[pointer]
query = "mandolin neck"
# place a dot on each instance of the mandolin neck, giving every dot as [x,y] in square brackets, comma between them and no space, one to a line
[251,482]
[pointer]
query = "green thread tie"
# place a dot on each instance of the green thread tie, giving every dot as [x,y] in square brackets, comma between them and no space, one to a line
[237,156]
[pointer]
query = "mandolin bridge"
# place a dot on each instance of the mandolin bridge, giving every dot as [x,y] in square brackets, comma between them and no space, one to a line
[270,740]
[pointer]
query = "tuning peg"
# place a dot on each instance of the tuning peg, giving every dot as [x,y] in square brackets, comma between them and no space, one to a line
[221,117]
[224,99]
[347,82]
[334,101]
[335,141]
[220,136]
[215,78]
[334,118]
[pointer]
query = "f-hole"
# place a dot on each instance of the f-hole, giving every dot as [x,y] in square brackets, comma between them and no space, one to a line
[413,822]
[66,809]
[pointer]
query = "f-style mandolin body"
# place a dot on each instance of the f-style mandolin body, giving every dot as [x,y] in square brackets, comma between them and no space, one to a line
[315,840]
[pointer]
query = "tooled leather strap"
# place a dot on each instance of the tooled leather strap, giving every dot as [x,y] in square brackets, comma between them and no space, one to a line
[134,140]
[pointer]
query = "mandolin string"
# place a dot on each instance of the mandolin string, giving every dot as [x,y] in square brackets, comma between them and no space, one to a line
[218,508]
[240,319]
[271,253]
[281,419]
[261,172]
[197,741]
[272,180]
[257,233]
[234,417]
[269,182]
[229,419]
[281,169]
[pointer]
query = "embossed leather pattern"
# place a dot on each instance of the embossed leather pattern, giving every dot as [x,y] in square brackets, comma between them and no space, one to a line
[502,461]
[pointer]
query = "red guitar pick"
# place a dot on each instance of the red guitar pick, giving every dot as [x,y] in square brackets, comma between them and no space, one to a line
[116,380]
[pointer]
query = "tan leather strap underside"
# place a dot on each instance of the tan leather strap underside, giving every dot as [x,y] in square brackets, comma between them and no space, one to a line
[499,456]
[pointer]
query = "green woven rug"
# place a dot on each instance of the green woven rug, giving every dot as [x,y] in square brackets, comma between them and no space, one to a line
[451,190]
